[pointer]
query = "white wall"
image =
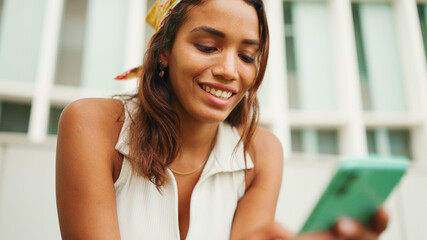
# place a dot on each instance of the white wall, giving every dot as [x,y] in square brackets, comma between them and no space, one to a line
[27,192]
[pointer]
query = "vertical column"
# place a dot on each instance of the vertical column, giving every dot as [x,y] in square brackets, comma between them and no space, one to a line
[414,69]
[135,32]
[277,71]
[352,136]
[45,71]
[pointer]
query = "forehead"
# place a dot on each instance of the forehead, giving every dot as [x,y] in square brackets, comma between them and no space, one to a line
[229,16]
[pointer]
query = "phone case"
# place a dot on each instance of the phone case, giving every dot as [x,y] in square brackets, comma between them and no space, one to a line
[357,189]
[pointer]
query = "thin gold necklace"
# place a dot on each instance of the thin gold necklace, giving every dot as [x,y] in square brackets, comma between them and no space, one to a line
[189,172]
[201,165]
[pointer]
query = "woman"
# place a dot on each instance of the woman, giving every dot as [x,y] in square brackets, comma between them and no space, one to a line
[130,168]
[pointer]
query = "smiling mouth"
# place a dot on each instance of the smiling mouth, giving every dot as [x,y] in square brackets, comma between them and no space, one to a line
[217,93]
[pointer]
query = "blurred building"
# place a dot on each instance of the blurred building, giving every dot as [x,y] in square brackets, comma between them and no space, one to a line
[345,78]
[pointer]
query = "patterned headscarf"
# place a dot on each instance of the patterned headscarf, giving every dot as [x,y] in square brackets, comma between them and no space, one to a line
[155,18]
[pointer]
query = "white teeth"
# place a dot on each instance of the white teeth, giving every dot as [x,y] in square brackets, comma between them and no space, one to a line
[218,93]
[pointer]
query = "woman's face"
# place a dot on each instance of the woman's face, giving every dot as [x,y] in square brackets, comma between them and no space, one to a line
[212,62]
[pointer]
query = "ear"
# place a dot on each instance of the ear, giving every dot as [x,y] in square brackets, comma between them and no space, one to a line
[164,58]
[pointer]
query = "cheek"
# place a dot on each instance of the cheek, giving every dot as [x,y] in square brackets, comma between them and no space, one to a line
[188,66]
[249,78]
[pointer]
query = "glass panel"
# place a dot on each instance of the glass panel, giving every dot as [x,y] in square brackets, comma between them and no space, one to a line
[315,141]
[296,141]
[308,54]
[372,146]
[14,117]
[389,142]
[70,54]
[1,12]
[422,13]
[290,57]
[20,39]
[400,143]
[361,59]
[379,62]
[104,44]
[327,141]
[55,113]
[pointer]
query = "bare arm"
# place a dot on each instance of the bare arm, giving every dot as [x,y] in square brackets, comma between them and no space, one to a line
[258,206]
[88,130]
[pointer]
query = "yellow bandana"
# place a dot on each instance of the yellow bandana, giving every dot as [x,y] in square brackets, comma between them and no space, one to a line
[155,17]
[159,12]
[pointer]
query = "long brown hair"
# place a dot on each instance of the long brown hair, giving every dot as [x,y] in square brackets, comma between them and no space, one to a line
[155,128]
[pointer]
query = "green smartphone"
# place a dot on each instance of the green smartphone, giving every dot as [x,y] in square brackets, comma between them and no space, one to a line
[357,189]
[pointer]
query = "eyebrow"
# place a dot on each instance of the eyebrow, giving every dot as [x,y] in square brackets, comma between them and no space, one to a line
[221,34]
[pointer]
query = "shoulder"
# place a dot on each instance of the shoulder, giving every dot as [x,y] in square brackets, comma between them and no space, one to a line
[89,125]
[265,149]
[92,115]
[89,110]
[264,140]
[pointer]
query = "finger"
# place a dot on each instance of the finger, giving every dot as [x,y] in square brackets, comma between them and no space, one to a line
[350,229]
[324,235]
[381,220]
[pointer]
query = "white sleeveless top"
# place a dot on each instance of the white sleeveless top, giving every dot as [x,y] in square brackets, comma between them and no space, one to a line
[144,213]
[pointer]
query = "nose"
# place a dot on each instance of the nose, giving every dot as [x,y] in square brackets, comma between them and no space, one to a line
[226,66]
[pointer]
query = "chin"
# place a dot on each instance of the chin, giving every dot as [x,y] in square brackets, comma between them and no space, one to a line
[213,117]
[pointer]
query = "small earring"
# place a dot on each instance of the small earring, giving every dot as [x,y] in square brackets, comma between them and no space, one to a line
[162,72]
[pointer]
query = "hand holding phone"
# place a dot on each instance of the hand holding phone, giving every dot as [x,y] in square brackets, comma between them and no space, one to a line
[357,189]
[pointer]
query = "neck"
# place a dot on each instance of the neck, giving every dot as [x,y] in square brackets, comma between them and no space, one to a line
[196,140]
[197,136]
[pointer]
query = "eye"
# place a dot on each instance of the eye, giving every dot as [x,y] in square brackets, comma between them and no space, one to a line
[246,58]
[206,49]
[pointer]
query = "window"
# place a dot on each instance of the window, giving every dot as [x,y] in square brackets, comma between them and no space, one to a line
[1,10]
[399,141]
[20,39]
[361,59]
[70,55]
[395,142]
[54,114]
[327,141]
[370,137]
[422,13]
[14,116]
[290,57]
[92,46]
[296,141]
[308,54]
[378,57]
[315,141]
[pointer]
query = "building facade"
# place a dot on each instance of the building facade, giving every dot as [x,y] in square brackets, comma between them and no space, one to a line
[345,78]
